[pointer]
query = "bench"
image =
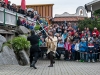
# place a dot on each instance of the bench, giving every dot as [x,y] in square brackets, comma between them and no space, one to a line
[59,50]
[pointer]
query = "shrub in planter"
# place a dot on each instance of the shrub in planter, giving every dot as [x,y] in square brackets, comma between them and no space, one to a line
[20,43]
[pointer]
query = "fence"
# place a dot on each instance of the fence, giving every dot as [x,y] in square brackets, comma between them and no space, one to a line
[8,17]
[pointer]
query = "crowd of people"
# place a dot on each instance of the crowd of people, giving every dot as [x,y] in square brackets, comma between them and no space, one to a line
[27,13]
[78,45]
[26,23]
[13,7]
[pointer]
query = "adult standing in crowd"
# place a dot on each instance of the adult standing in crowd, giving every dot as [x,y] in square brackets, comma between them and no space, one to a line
[34,50]
[95,31]
[51,42]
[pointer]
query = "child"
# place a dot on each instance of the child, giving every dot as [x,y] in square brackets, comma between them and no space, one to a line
[73,50]
[99,47]
[61,45]
[77,50]
[99,53]
[91,51]
[82,48]
[96,47]
[67,47]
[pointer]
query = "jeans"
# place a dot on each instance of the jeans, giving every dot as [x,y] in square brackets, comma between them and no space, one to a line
[99,56]
[91,56]
[95,56]
[73,55]
[82,55]
[67,54]
[86,57]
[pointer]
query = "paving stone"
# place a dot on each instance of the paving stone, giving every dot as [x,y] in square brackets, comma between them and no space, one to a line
[60,68]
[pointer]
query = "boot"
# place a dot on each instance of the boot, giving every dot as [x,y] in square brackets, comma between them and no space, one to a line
[93,60]
[33,64]
[51,65]
[30,65]
[89,60]
[53,62]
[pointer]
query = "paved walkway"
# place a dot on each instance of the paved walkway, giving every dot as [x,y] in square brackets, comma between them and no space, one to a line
[60,68]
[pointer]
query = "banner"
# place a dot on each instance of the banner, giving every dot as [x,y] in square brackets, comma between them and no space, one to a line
[6,1]
[23,4]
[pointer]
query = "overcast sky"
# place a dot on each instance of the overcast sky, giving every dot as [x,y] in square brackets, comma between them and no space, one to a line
[60,6]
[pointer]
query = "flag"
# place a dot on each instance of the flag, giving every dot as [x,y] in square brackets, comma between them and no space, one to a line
[23,4]
[6,1]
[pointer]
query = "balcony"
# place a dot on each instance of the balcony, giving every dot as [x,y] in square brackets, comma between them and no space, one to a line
[9,18]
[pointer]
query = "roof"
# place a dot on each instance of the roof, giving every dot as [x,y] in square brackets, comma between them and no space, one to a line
[38,5]
[93,2]
[68,18]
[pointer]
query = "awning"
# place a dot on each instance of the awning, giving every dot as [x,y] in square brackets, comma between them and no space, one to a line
[95,5]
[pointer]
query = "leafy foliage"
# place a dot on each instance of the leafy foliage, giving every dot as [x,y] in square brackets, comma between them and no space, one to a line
[88,22]
[37,27]
[8,43]
[97,12]
[20,43]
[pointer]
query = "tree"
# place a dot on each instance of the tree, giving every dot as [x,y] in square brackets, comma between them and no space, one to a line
[97,12]
[90,23]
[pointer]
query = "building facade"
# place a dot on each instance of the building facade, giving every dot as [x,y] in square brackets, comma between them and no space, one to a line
[72,18]
[45,10]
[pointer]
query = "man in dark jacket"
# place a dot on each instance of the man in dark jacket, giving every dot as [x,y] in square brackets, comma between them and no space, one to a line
[76,37]
[9,5]
[19,21]
[34,50]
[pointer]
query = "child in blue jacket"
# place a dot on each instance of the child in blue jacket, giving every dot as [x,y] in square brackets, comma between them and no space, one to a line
[82,48]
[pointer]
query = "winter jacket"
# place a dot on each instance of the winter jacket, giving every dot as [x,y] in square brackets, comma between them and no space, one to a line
[82,46]
[96,47]
[73,48]
[77,46]
[76,38]
[90,47]
[97,32]
[67,46]
[60,44]
[64,36]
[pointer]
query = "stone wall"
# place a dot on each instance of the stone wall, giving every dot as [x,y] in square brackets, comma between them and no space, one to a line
[8,57]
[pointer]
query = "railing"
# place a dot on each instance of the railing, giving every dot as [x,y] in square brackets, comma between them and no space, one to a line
[8,17]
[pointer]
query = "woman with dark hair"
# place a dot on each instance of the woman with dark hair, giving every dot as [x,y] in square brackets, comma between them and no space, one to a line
[51,43]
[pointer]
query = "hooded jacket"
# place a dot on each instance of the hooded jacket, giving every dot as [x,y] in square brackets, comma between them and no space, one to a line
[82,46]
[73,48]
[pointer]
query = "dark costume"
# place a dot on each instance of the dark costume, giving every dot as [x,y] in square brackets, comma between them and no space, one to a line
[34,50]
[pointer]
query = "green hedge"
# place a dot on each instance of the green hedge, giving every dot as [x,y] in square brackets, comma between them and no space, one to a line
[88,22]
[20,43]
